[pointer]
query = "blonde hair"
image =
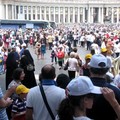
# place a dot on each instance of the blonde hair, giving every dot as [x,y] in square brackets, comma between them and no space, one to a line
[72,54]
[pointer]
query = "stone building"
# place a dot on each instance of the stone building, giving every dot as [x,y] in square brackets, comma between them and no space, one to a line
[62,11]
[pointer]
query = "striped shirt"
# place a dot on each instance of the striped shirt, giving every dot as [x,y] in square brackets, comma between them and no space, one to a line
[19,106]
[3,115]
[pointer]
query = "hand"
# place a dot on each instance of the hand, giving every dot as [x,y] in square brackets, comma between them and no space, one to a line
[108,94]
[9,101]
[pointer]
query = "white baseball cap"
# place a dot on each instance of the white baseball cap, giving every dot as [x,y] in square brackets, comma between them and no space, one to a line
[98,61]
[82,85]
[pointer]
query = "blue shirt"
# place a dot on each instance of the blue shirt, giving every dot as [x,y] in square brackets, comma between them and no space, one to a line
[3,114]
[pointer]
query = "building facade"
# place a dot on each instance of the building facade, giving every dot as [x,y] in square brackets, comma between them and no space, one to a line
[62,11]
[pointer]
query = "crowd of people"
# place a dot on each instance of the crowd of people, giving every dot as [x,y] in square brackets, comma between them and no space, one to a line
[90,90]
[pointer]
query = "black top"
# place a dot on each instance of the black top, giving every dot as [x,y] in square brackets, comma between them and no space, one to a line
[101,109]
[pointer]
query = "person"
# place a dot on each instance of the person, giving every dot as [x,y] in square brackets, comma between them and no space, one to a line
[105,52]
[80,93]
[11,64]
[19,105]
[18,76]
[110,97]
[5,101]
[73,65]
[85,69]
[62,80]
[26,59]
[36,108]
[60,55]
[101,109]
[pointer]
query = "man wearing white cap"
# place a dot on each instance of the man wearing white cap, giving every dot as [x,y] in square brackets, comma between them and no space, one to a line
[101,109]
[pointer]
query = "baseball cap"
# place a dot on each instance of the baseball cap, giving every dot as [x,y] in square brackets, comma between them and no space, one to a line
[21,89]
[88,56]
[98,61]
[103,49]
[82,85]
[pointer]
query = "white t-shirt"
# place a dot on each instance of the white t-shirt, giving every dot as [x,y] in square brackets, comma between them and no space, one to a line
[54,97]
[73,64]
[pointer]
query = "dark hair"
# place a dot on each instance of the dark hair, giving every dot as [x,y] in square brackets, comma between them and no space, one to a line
[67,107]
[48,72]
[17,72]
[62,80]
[92,51]
[99,71]
[75,49]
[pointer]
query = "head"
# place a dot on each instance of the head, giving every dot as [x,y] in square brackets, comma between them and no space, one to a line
[48,72]
[72,54]
[22,91]
[23,45]
[92,51]
[75,50]
[88,58]
[104,51]
[80,92]
[98,65]
[18,74]
[62,80]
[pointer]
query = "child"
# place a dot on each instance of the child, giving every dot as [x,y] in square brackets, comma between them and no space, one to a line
[19,105]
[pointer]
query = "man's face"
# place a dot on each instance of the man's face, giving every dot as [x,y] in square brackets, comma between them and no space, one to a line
[104,53]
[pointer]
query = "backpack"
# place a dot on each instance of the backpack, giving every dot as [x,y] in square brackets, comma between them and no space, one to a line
[60,55]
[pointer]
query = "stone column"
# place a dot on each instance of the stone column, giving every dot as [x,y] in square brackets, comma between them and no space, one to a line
[58,14]
[112,17]
[49,14]
[106,11]
[102,16]
[78,15]
[89,15]
[31,12]
[36,13]
[6,11]
[54,13]
[13,12]
[45,13]
[40,14]
[92,15]
[118,15]
[99,15]
[68,14]
[27,13]
[63,14]
[83,14]
[2,16]
[73,14]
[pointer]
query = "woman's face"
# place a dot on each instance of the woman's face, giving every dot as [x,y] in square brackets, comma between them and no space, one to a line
[88,102]
[22,75]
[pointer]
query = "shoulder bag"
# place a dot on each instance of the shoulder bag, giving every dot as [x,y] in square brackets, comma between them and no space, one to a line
[46,103]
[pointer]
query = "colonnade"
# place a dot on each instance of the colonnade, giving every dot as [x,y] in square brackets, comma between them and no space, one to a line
[63,14]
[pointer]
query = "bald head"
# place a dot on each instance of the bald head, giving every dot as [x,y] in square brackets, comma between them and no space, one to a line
[48,72]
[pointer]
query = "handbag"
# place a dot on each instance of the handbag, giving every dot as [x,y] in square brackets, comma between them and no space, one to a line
[46,103]
[30,67]
[66,65]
